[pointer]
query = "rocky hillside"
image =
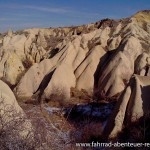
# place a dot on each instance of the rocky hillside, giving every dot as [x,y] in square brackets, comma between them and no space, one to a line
[100,58]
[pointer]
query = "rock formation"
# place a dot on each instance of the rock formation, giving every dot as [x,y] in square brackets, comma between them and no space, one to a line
[132,104]
[106,54]
[10,111]
[100,57]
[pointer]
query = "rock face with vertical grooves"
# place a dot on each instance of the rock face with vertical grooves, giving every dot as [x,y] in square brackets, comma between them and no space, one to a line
[106,54]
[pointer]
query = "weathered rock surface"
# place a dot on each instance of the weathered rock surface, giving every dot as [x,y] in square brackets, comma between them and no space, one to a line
[10,111]
[120,68]
[7,97]
[132,104]
[31,81]
[85,72]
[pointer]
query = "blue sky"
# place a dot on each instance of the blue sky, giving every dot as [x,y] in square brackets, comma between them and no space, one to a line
[20,14]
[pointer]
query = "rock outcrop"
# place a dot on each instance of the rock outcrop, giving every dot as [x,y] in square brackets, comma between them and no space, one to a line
[120,68]
[132,104]
[10,111]
[68,64]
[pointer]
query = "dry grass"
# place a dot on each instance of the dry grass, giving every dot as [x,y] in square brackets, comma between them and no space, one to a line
[59,98]
[143,16]
[101,96]
[52,133]
[52,130]
[80,96]
[12,125]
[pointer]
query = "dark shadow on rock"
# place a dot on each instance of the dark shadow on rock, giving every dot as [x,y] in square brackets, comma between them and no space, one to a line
[103,62]
[145,90]
[136,132]
[54,52]
[44,84]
